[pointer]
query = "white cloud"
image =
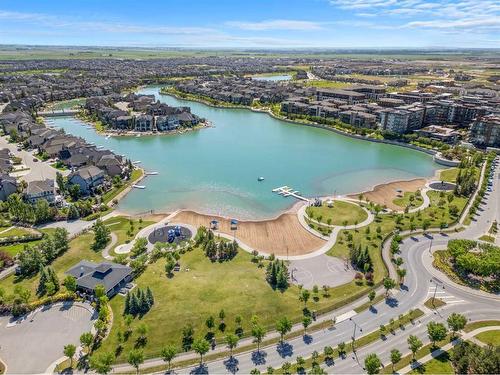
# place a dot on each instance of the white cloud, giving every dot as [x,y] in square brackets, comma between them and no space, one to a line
[275,25]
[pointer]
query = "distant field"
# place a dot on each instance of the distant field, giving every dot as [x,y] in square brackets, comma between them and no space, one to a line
[27,53]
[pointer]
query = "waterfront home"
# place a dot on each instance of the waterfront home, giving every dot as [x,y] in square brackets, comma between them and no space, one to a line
[111,164]
[88,178]
[112,276]
[8,186]
[165,123]
[143,123]
[44,189]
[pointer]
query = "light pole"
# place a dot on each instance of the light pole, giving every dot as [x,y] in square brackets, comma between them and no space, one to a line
[435,290]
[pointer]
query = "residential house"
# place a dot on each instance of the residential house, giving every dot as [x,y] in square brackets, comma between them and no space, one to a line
[88,178]
[8,186]
[44,189]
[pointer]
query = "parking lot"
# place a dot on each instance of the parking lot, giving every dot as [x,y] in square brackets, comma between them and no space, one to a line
[33,344]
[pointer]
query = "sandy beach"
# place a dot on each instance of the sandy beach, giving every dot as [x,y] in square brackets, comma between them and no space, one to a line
[281,236]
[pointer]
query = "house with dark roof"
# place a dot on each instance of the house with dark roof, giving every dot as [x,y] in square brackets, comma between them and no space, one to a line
[112,276]
[44,189]
[8,186]
[88,178]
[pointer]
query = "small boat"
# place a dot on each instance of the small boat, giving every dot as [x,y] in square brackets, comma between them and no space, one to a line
[136,162]
[138,135]
[139,186]
[260,179]
[152,173]
[108,136]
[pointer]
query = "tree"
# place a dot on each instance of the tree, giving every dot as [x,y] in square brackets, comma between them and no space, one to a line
[101,362]
[210,323]
[187,337]
[414,344]
[101,235]
[140,246]
[73,212]
[74,191]
[328,352]
[69,351]
[168,353]
[136,358]
[401,274]
[456,322]
[169,267]
[341,348]
[306,322]
[86,339]
[304,296]
[436,332]
[372,363]
[201,346]
[232,342]
[371,296]
[395,357]
[99,291]
[70,283]
[258,332]
[142,330]
[300,364]
[388,285]
[283,326]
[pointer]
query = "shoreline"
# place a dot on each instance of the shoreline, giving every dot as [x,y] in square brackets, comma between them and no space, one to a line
[132,133]
[314,125]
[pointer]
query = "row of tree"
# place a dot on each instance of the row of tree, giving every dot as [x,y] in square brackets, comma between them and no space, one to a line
[466,182]
[472,257]
[277,274]
[360,258]
[33,258]
[138,302]
[220,251]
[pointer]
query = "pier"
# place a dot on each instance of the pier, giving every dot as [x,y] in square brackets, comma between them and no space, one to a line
[287,191]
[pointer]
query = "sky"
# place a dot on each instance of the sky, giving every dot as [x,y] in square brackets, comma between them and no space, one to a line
[253,24]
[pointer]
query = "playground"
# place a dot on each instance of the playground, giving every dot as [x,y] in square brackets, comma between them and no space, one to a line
[170,234]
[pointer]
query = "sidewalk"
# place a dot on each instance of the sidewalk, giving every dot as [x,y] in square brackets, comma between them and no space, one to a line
[445,348]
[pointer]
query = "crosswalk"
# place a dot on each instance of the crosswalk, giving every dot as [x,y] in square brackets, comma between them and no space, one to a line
[441,293]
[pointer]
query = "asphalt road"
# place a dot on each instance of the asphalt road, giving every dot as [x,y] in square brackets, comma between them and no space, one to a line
[421,283]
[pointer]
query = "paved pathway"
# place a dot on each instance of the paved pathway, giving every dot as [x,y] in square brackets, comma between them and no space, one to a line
[445,348]
[106,250]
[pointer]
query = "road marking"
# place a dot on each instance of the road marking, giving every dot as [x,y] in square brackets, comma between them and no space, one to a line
[345,316]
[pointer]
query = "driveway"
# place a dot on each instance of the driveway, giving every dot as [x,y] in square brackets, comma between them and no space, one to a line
[38,170]
[33,344]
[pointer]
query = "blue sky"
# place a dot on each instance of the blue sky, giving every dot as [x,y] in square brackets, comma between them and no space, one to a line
[252,24]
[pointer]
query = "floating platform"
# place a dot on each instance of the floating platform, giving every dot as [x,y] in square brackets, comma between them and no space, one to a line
[287,191]
[139,186]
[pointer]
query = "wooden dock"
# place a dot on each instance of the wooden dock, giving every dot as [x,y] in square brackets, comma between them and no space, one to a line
[287,191]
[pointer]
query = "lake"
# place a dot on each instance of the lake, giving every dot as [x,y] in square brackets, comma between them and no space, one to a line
[215,170]
[278,77]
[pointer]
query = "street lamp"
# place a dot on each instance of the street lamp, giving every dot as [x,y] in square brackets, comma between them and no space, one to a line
[435,290]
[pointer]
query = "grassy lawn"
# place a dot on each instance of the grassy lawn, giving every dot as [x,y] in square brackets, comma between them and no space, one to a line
[110,195]
[449,175]
[14,231]
[434,303]
[125,229]
[338,214]
[487,238]
[438,365]
[13,249]
[404,201]
[434,214]
[490,337]
[237,286]
[479,324]
[426,349]
[79,249]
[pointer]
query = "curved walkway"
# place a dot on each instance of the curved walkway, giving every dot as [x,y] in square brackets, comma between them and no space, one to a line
[106,250]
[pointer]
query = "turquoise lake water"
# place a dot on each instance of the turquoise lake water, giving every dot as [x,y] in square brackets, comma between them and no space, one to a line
[279,77]
[215,170]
